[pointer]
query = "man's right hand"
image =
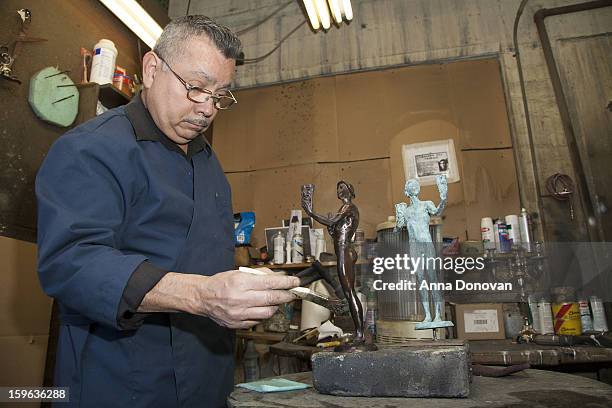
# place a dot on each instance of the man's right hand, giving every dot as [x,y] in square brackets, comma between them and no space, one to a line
[240,300]
[233,299]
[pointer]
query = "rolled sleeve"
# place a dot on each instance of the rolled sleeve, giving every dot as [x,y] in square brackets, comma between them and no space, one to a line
[144,278]
[81,207]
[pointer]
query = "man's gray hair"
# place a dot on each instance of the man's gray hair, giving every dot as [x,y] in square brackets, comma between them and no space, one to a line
[179,31]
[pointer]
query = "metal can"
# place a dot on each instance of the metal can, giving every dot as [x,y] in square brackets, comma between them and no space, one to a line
[567,318]
[505,244]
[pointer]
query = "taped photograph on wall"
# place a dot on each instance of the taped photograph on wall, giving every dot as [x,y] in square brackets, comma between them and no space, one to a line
[425,161]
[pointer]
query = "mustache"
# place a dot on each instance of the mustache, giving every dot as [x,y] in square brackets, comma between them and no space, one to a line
[201,122]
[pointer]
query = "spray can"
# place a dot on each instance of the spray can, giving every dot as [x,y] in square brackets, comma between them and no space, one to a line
[514,232]
[103,62]
[496,235]
[599,315]
[585,316]
[505,244]
[486,231]
[297,248]
[525,228]
[279,248]
[546,318]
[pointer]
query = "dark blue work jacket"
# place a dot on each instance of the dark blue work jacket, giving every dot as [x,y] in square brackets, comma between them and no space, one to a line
[108,201]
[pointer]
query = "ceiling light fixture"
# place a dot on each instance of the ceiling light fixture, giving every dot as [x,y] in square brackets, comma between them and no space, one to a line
[321,13]
[136,19]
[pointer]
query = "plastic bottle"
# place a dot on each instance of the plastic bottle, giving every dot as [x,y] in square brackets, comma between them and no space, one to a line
[599,315]
[251,362]
[297,248]
[496,224]
[103,62]
[279,248]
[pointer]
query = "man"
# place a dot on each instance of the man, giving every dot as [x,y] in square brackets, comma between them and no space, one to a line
[136,238]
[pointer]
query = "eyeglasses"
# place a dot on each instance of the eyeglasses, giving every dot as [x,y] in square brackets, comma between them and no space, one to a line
[201,95]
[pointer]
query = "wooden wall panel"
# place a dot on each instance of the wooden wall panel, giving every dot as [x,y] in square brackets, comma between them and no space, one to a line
[22,359]
[373,190]
[296,124]
[374,106]
[24,308]
[483,120]
[235,153]
[24,316]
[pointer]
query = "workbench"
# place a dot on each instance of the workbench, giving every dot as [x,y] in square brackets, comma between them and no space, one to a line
[496,352]
[529,388]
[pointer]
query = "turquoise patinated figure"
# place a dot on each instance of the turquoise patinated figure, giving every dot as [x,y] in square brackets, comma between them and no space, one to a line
[415,217]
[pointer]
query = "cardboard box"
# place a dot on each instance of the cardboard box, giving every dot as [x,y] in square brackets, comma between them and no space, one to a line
[480,321]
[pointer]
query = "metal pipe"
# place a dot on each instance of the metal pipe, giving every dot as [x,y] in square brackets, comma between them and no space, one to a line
[572,144]
[532,152]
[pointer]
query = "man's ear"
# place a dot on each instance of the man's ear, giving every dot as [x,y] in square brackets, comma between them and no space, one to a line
[150,63]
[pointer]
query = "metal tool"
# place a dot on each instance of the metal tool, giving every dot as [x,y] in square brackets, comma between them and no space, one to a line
[338,307]
[7,59]
[317,271]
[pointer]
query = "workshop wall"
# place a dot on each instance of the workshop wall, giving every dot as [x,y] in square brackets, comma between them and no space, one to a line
[388,33]
[24,140]
[352,127]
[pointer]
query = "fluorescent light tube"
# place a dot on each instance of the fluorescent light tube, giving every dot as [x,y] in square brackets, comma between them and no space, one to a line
[136,19]
[334,6]
[347,9]
[323,13]
[312,14]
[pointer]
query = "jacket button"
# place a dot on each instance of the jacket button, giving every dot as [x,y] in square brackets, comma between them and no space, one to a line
[216,195]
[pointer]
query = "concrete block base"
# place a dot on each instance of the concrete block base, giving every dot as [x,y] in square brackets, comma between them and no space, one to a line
[421,369]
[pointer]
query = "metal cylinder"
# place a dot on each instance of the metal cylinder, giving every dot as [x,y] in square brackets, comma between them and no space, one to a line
[399,304]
